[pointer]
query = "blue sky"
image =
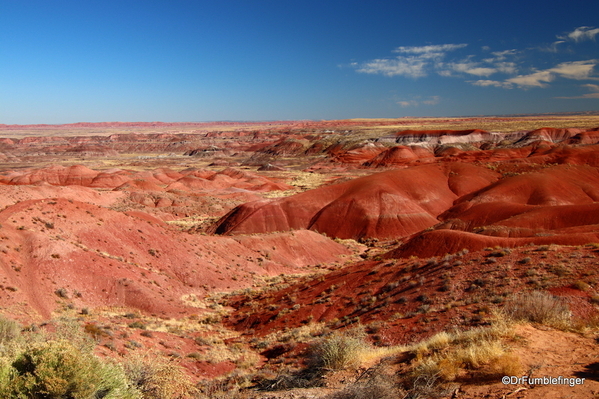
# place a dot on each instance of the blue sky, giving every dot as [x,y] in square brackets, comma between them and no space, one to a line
[73,61]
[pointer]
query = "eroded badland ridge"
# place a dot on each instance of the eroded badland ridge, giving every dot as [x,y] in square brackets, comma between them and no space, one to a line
[412,257]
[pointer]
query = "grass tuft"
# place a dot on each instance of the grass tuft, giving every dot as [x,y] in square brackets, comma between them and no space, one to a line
[539,307]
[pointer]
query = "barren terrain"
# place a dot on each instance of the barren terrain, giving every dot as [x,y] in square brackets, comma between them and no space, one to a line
[238,248]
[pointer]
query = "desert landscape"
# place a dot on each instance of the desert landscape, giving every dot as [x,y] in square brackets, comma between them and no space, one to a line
[338,259]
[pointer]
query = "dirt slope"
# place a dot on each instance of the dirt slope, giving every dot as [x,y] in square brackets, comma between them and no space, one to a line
[555,205]
[100,257]
[389,204]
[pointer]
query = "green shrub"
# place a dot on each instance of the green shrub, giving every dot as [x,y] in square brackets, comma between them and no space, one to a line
[57,370]
[7,373]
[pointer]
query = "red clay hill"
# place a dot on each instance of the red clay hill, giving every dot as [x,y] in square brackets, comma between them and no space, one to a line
[99,257]
[557,205]
[165,193]
[384,205]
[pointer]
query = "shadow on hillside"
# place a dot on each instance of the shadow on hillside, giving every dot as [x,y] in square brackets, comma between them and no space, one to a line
[591,372]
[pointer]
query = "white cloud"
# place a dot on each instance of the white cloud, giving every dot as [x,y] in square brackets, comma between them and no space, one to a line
[577,35]
[472,68]
[431,49]
[509,68]
[420,61]
[537,79]
[552,48]
[418,64]
[575,70]
[434,100]
[405,104]
[502,55]
[408,66]
[592,87]
[491,83]
[581,33]
[590,95]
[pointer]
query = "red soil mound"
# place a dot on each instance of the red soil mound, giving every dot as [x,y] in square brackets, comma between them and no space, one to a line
[555,217]
[56,175]
[561,185]
[388,204]
[139,185]
[441,242]
[189,179]
[100,257]
[494,155]
[556,205]
[565,154]
[399,155]
[407,299]
[355,154]
[10,195]
[297,248]
[550,134]
[588,137]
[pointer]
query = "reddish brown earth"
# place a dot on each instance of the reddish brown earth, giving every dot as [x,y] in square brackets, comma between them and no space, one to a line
[395,290]
[399,155]
[384,205]
[137,222]
[107,258]
[555,205]
[163,192]
[190,179]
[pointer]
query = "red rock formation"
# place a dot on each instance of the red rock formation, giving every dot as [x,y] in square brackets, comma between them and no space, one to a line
[358,153]
[106,258]
[556,205]
[399,155]
[441,242]
[188,180]
[389,204]
[549,134]
[442,136]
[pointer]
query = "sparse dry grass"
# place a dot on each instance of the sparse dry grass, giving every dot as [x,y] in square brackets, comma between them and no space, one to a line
[449,355]
[539,307]
[339,352]
[158,378]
